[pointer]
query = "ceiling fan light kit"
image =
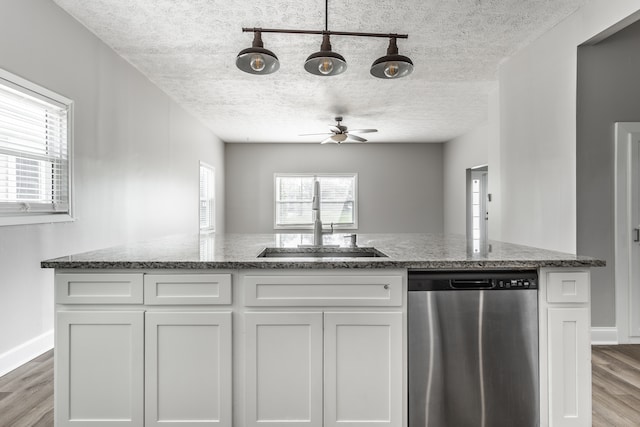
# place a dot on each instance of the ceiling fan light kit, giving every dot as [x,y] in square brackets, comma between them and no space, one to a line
[340,133]
[257,60]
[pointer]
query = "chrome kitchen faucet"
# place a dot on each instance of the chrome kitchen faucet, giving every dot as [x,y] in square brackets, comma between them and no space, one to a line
[317,222]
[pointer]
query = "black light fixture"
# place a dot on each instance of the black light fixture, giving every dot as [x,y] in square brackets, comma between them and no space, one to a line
[257,60]
[392,65]
[325,62]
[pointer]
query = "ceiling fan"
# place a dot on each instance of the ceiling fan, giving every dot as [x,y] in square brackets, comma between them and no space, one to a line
[339,133]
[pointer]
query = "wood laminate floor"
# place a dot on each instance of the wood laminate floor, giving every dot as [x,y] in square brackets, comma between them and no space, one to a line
[616,385]
[26,394]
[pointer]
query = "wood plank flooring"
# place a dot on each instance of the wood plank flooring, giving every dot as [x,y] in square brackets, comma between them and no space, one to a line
[26,394]
[616,385]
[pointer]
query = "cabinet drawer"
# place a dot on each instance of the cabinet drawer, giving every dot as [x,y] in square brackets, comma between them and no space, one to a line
[187,289]
[98,288]
[323,290]
[571,287]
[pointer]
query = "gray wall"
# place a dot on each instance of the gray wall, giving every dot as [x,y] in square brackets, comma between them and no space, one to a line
[608,92]
[136,157]
[399,185]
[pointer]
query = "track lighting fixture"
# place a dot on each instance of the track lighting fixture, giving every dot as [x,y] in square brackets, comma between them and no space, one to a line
[258,60]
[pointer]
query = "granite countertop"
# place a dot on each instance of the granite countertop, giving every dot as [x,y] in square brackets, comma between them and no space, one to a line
[239,251]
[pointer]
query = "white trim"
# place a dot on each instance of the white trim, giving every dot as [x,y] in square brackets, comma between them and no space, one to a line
[36,219]
[604,335]
[25,352]
[14,80]
[35,90]
[352,226]
[622,225]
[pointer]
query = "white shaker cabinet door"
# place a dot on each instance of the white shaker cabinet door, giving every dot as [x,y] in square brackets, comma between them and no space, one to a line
[188,369]
[99,368]
[283,369]
[569,367]
[363,369]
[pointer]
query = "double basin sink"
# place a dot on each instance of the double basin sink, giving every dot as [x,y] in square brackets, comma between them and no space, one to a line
[321,252]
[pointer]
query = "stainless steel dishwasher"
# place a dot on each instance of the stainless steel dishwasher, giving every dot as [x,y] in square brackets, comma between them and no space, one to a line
[473,349]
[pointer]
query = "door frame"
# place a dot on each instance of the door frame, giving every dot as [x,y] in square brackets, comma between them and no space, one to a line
[623,225]
[482,174]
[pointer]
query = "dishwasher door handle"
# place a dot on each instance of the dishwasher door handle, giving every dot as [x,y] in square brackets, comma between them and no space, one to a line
[471,284]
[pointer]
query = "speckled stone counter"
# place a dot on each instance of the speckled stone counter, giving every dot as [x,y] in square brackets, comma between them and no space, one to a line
[240,251]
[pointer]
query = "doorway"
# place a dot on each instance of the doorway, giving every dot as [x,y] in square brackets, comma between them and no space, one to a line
[627,231]
[477,214]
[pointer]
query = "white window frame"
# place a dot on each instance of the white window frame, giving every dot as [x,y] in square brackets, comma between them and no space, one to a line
[212,199]
[32,89]
[353,226]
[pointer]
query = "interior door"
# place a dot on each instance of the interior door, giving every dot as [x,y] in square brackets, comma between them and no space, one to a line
[634,255]
[627,231]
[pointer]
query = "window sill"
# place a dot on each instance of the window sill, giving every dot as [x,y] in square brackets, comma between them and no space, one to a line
[35,219]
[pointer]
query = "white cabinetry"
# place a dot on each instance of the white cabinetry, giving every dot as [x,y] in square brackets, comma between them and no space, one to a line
[121,362]
[565,347]
[283,369]
[311,364]
[188,368]
[309,348]
[363,369]
[99,368]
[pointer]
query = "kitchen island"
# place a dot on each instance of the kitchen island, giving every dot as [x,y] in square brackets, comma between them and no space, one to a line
[200,330]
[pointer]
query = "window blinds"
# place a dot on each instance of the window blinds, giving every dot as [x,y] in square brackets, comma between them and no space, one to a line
[295,192]
[207,195]
[34,158]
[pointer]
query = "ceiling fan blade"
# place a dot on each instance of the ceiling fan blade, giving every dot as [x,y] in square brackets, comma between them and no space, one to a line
[356,138]
[335,129]
[329,141]
[363,130]
[315,134]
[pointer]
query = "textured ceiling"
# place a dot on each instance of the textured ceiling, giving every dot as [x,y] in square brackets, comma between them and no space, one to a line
[188,48]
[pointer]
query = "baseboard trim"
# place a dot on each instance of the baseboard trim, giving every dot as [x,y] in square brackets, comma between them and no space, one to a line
[23,353]
[604,335]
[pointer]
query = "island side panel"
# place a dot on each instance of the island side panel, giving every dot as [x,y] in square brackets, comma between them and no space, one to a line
[565,347]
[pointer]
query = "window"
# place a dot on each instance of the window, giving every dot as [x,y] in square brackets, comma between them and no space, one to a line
[338,200]
[35,142]
[207,198]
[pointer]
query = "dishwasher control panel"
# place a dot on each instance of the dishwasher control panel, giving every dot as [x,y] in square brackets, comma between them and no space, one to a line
[470,280]
[517,283]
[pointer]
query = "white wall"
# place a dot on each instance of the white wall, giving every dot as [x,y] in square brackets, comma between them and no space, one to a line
[538,138]
[399,185]
[467,151]
[538,129]
[136,160]
[608,92]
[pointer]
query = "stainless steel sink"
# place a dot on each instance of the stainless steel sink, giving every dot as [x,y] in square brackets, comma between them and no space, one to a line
[320,252]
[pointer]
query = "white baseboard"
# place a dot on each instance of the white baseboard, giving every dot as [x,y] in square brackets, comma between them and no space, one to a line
[604,335]
[23,353]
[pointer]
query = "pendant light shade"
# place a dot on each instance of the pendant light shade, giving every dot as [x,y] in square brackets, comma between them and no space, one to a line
[325,62]
[392,65]
[256,59]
